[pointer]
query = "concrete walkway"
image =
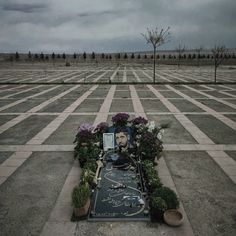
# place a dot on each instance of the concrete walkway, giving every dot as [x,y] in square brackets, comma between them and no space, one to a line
[197,155]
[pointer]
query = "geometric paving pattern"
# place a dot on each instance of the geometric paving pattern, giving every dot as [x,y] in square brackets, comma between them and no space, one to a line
[43,118]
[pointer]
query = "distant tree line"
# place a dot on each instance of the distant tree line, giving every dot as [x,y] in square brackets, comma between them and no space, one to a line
[92,56]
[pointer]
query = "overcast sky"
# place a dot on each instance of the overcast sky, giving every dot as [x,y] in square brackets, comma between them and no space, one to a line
[113,25]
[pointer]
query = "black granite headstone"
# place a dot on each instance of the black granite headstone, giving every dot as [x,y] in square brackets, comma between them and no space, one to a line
[120,194]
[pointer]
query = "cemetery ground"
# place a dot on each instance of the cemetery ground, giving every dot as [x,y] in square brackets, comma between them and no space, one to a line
[41,108]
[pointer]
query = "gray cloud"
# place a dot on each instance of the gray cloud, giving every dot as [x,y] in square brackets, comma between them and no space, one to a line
[109,25]
[97,14]
[24,7]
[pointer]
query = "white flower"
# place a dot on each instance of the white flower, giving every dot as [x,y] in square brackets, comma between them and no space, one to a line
[160,134]
[151,126]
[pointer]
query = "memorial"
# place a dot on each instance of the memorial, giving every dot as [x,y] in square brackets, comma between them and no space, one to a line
[120,193]
[118,168]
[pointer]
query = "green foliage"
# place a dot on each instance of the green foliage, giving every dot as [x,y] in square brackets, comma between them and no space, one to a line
[169,196]
[152,179]
[147,164]
[148,148]
[85,153]
[87,176]
[90,165]
[157,203]
[80,195]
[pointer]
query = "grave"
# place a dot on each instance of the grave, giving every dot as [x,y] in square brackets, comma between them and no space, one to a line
[120,194]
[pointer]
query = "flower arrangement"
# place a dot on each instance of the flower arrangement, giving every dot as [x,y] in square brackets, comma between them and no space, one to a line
[101,128]
[120,119]
[147,137]
[161,198]
[139,121]
[84,134]
[149,146]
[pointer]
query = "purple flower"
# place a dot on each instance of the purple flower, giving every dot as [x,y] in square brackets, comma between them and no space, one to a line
[85,133]
[139,121]
[120,119]
[101,128]
[85,127]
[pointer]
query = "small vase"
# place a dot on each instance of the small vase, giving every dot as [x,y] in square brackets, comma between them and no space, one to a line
[82,211]
[173,217]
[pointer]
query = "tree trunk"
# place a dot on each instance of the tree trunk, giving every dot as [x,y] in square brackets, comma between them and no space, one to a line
[154,65]
[215,72]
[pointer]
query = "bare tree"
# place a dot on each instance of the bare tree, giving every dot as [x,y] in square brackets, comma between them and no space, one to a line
[156,38]
[218,56]
[199,50]
[180,50]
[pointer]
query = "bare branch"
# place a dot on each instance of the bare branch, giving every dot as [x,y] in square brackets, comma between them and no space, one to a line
[156,37]
[218,53]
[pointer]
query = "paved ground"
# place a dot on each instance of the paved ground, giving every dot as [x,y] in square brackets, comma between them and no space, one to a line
[46,73]
[38,123]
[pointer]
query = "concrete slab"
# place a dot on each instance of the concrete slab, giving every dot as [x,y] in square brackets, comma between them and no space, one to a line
[122,94]
[128,228]
[25,106]
[232,154]
[25,130]
[99,93]
[119,105]
[36,185]
[6,118]
[217,106]
[151,105]
[54,92]
[208,195]
[77,92]
[4,156]
[185,106]
[144,94]
[218,94]
[176,134]
[215,129]
[89,105]
[232,117]
[59,105]
[170,94]
[59,228]
[193,94]
[233,101]
[66,132]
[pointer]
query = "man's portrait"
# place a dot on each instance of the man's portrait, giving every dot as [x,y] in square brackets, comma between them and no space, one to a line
[123,138]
